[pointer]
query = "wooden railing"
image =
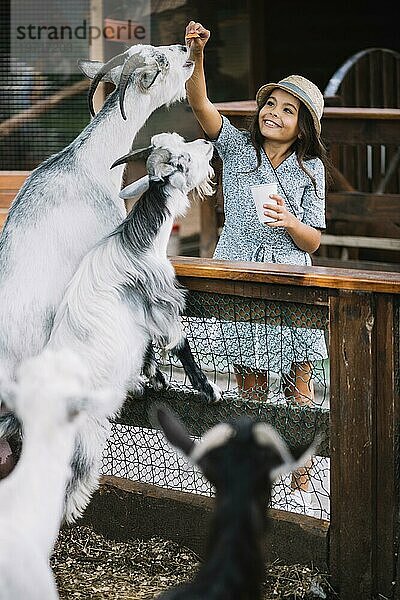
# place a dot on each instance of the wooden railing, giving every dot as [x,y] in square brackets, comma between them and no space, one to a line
[10,183]
[365,198]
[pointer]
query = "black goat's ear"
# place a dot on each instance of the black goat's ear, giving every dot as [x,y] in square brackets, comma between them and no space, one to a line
[173,429]
[305,450]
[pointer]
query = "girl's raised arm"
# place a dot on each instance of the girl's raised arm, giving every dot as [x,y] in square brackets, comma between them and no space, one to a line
[196,37]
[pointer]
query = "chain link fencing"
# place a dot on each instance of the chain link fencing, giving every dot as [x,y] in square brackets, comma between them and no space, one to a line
[270,361]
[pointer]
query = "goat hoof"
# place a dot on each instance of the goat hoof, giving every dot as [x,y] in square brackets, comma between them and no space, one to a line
[211,392]
[158,381]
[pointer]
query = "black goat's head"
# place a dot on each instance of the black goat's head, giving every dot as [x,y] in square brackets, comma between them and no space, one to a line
[241,451]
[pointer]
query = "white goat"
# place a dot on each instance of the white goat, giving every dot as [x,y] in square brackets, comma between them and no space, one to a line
[241,459]
[71,200]
[124,296]
[51,395]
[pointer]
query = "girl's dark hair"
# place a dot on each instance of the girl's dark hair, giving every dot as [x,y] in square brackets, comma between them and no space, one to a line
[307,145]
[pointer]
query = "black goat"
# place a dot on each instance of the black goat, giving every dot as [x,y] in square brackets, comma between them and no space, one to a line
[241,460]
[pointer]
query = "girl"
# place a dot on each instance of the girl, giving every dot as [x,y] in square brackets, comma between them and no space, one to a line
[282,146]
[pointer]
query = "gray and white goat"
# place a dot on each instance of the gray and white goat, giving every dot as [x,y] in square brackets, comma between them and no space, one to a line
[72,200]
[241,459]
[124,296]
[51,394]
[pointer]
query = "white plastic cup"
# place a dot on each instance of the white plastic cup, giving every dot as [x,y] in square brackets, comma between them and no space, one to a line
[260,195]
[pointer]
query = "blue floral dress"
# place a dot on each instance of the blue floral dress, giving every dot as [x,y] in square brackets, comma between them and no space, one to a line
[261,345]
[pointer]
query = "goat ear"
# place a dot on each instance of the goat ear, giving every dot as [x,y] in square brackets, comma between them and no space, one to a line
[173,429]
[178,180]
[135,189]
[146,76]
[90,68]
[300,457]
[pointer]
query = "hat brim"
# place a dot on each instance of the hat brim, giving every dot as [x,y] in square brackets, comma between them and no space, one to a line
[266,90]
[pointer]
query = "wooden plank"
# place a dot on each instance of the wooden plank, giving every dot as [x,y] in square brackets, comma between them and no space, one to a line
[360,265]
[356,241]
[6,198]
[3,217]
[388,415]
[96,48]
[208,226]
[352,409]
[320,277]
[356,206]
[248,289]
[369,131]
[339,124]
[12,180]
[248,107]
[123,510]
[284,417]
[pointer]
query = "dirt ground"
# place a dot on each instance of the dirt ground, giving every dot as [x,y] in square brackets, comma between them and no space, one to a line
[89,567]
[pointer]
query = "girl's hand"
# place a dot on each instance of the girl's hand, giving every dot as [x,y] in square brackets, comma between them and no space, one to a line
[278,211]
[196,44]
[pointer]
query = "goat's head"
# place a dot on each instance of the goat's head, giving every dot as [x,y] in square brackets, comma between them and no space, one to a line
[55,386]
[244,450]
[158,71]
[184,165]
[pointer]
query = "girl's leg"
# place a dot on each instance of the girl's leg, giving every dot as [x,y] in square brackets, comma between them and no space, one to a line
[298,387]
[251,381]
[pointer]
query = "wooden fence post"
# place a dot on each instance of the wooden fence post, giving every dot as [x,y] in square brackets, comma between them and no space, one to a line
[364,414]
[387,443]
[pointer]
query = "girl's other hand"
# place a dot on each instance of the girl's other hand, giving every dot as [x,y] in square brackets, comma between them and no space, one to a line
[279,212]
[196,44]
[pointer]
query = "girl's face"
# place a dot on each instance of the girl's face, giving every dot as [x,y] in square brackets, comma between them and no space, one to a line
[278,118]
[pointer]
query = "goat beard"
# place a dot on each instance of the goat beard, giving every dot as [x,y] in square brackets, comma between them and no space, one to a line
[207,187]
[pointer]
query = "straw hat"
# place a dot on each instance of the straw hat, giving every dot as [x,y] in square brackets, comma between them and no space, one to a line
[303,89]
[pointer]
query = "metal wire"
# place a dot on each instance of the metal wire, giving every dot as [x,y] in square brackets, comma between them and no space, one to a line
[281,348]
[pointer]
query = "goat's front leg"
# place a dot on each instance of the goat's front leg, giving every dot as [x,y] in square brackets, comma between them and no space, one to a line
[199,381]
[151,370]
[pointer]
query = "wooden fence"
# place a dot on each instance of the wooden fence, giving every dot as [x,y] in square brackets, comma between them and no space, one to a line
[362,543]
[364,404]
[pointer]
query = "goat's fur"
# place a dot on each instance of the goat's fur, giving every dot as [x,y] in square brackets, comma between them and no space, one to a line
[124,295]
[51,394]
[240,459]
[72,200]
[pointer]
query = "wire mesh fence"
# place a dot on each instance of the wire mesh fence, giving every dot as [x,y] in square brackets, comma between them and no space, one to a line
[270,361]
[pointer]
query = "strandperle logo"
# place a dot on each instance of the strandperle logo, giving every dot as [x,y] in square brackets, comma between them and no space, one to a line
[50,36]
[127,30]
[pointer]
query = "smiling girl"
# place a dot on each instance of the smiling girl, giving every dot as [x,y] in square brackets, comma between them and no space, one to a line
[282,146]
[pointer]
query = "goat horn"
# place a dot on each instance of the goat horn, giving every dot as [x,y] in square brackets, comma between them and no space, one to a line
[131,65]
[116,61]
[135,155]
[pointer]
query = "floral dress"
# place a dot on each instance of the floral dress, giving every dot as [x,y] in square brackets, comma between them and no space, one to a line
[253,344]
